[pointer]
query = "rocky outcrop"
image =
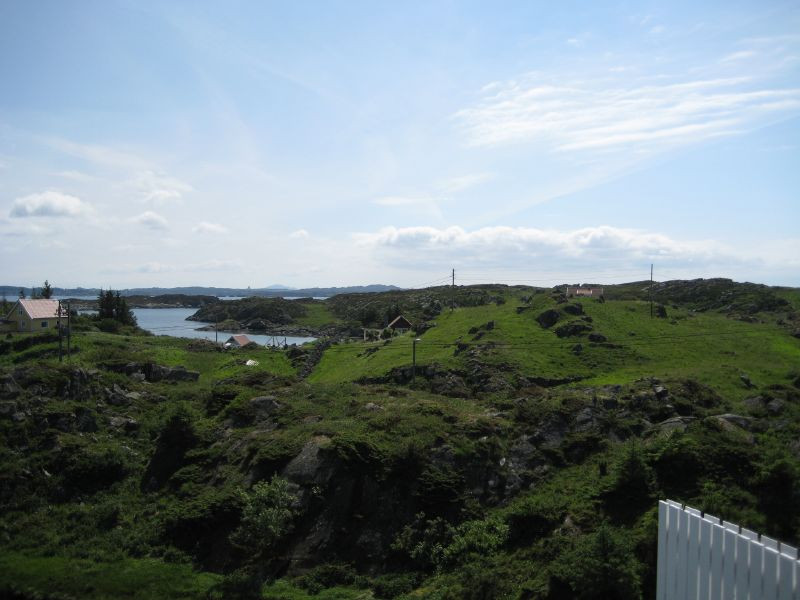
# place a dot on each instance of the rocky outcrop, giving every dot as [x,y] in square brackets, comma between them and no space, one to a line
[152,372]
[572,329]
[548,318]
[574,309]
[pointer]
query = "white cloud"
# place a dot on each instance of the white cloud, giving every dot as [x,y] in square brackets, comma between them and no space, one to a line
[159,188]
[516,247]
[150,220]
[300,234]
[576,115]
[213,228]
[50,204]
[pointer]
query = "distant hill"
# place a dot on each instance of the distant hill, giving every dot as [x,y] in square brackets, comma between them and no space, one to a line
[12,291]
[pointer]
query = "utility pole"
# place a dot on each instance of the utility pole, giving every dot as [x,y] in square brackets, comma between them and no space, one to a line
[651,290]
[414,360]
[60,354]
[69,331]
[216,329]
[453,292]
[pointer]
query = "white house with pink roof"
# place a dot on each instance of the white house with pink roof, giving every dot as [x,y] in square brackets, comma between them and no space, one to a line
[33,315]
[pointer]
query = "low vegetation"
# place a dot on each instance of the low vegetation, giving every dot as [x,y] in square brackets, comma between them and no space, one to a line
[523,457]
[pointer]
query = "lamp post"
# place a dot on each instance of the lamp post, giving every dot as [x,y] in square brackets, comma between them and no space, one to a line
[414,359]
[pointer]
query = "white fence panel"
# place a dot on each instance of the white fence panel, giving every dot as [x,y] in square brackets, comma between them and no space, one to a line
[700,556]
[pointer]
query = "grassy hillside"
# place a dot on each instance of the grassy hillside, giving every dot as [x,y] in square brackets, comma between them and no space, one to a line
[708,346]
[524,461]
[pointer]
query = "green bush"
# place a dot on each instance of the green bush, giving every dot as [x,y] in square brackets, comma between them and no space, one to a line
[481,537]
[600,566]
[267,516]
[88,471]
[328,576]
[392,585]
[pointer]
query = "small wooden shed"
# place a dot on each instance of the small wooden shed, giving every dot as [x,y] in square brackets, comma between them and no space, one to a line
[400,324]
[238,340]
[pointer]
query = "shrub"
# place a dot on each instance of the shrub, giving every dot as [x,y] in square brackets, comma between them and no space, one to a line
[327,576]
[600,565]
[267,515]
[481,537]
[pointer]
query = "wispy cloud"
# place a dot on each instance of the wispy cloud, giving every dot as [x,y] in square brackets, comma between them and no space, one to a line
[159,188]
[737,56]
[151,220]
[97,154]
[454,185]
[75,176]
[421,205]
[212,228]
[158,267]
[404,201]
[584,115]
[50,204]
[300,234]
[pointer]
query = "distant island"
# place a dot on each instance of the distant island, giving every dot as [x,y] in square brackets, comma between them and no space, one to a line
[11,291]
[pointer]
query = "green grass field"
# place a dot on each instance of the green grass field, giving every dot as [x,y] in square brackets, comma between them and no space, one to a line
[707,346]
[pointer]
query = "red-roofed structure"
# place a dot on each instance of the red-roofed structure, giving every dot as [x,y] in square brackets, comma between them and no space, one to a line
[238,340]
[30,315]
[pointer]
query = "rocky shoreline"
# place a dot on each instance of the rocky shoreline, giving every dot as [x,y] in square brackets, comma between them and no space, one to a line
[276,330]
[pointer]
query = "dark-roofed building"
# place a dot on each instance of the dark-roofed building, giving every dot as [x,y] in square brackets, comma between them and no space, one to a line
[400,323]
[30,315]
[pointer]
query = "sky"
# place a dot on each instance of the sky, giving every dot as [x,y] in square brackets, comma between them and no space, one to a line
[239,144]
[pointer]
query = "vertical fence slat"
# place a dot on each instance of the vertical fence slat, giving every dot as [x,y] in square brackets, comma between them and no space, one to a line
[752,535]
[661,573]
[786,567]
[742,567]
[673,514]
[729,565]
[770,585]
[789,551]
[693,554]
[768,542]
[756,567]
[717,545]
[683,553]
[704,560]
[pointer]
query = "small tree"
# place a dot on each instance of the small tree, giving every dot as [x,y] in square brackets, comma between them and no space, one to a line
[47,290]
[267,516]
[22,293]
[601,565]
[122,313]
[111,305]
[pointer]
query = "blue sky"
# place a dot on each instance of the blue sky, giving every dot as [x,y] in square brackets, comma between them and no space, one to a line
[319,143]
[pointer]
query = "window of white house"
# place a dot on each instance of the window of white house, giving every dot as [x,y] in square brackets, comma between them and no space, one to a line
[44,323]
